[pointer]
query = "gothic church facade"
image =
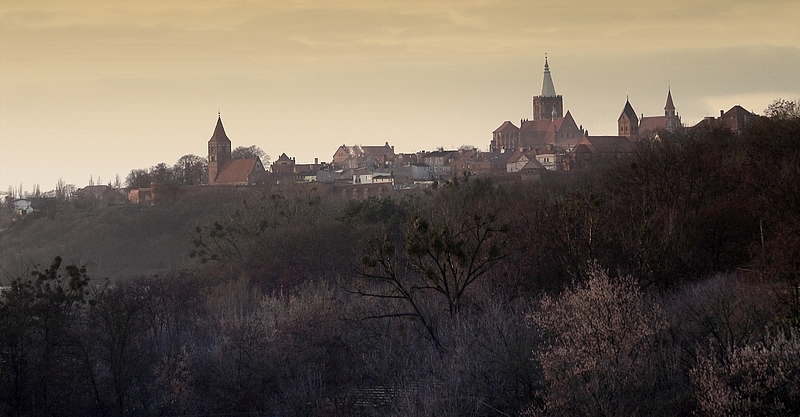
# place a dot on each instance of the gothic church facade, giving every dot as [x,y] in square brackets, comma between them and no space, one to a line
[549,128]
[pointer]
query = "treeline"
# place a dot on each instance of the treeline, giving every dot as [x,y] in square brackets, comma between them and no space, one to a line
[663,284]
[189,169]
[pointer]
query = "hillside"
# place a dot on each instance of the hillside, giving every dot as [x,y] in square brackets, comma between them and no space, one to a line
[114,241]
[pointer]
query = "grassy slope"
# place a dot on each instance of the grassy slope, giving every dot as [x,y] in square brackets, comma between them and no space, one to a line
[113,242]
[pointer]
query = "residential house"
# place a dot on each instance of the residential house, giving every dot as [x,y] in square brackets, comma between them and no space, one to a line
[283,165]
[735,119]
[532,171]
[439,162]
[363,156]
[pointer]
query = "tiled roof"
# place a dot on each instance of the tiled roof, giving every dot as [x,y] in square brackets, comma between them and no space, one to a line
[533,164]
[734,119]
[237,171]
[507,126]
[608,144]
[516,156]
[378,150]
[219,135]
[652,123]
[537,125]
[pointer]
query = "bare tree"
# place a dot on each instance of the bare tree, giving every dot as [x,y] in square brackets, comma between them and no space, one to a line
[600,351]
[783,109]
[761,379]
[191,170]
[442,258]
[252,151]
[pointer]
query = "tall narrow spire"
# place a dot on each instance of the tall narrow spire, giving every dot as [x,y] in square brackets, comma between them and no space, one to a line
[548,90]
[669,105]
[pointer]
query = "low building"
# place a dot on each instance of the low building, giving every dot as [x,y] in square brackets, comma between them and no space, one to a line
[592,151]
[735,119]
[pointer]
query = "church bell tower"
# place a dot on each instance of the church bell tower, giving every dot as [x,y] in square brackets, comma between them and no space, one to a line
[219,151]
[548,105]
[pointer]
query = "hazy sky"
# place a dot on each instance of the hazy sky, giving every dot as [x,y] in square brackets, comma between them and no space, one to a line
[97,88]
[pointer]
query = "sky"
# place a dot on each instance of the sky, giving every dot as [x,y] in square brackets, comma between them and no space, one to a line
[94,89]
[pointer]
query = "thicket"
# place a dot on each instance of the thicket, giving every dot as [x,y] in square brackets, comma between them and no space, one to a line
[664,283]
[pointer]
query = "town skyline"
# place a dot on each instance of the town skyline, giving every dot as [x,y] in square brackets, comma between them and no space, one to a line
[96,91]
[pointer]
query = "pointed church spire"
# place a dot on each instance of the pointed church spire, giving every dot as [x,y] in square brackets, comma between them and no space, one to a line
[219,133]
[548,90]
[669,105]
[628,110]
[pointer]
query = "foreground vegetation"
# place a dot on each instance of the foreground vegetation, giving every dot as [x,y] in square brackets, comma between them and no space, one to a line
[663,284]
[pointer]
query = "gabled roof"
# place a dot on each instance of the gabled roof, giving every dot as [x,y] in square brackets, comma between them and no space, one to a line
[736,118]
[507,126]
[517,156]
[652,123]
[628,111]
[605,144]
[378,150]
[283,157]
[533,165]
[219,135]
[544,130]
[237,171]
[540,125]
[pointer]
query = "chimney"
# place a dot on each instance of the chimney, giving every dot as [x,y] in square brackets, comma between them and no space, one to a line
[316,161]
[721,112]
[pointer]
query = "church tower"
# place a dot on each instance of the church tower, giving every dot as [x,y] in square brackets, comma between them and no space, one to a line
[628,122]
[219,151]
[548,105]
[673,120]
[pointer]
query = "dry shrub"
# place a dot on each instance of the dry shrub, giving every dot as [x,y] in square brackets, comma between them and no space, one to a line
[601,355]
[760,379]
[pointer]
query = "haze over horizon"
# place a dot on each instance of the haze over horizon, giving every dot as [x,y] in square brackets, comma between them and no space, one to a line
[100,88]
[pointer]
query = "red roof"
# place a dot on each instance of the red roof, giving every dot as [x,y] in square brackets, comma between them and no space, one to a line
[516,156]
[507,126]
[237,171]
[606,144]
[652,124]
[734,119]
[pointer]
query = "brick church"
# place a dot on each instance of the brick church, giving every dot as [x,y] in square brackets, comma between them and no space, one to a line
[549,128]
[224,170]
[635,128]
